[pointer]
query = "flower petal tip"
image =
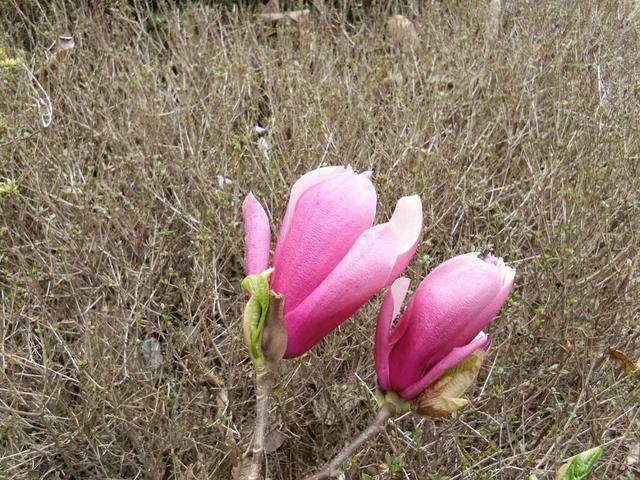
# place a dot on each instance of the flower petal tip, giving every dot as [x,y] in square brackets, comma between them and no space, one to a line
[399,290]
[507,273]
[407,221]
[249,198]
[257,235]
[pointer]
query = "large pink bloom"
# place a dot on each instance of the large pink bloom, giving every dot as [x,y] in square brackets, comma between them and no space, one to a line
[329,259]
[442,324]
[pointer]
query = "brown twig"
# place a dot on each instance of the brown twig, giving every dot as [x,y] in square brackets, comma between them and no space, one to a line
[252,466]
[378,424]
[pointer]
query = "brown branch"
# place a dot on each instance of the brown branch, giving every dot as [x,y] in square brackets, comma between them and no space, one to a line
[378,424]
[252,466]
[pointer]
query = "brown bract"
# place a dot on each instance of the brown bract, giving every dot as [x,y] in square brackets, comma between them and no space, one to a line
[274,335]
[446,395]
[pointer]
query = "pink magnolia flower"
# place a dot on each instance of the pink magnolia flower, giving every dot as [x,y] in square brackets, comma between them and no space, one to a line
[442,325]
[329,259]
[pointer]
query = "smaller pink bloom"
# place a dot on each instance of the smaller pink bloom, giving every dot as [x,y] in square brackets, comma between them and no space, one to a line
[442,324]
[329,258]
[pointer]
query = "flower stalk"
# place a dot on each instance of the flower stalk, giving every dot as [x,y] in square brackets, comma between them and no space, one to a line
[252,465]
[386,411]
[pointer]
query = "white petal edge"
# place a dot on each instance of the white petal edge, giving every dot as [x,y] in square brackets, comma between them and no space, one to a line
[407,221]
[399,290]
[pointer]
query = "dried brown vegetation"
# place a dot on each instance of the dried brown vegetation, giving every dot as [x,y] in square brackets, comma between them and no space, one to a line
[121,251]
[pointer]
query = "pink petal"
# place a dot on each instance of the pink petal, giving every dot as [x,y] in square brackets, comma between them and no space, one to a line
[303,184]
[407,222]
[399,290]
[358,277]
[457,355]
[507,276]
[257,235]
[402,325]
[328,219]
[389,310]
[445,312]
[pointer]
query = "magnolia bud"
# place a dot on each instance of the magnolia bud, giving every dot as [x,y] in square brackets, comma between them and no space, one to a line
[445,395]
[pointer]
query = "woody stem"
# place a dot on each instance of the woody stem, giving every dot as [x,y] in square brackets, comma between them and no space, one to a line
[252,466]
[378,424]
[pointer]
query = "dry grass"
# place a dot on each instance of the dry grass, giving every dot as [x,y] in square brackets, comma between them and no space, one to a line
[124,237]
